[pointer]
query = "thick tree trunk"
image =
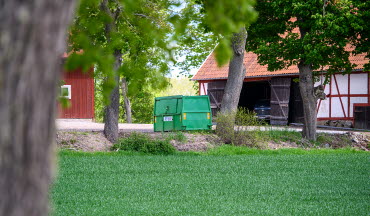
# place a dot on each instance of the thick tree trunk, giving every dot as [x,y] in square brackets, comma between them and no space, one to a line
[236,75]
[112,110]
[126,100]
[306,85]
[32,41]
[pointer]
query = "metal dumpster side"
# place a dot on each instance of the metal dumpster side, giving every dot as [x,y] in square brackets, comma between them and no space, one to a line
[179,112]
[196,113]
[167,113]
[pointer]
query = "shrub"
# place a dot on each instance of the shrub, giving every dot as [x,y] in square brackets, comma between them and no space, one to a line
[244,117]
[140,142]
[225,126]
[236,132]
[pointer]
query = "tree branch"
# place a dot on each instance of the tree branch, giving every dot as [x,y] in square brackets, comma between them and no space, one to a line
[141,15]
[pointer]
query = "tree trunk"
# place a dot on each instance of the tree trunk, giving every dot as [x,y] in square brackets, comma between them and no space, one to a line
[306,85]
[32,41]
[126,101]
[236,75]
[112,110]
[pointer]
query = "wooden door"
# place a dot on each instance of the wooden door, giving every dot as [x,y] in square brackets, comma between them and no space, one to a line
[280,94]
[362,117]
[215,92]
[296,104]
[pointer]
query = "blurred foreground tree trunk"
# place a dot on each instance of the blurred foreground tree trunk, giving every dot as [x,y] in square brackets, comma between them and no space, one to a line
[32,41]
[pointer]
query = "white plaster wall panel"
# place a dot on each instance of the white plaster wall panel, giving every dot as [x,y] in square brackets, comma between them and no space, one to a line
[327,89]
[356,100]
[359,83]
[324,109]
[342,81]
[203,88]
[336,107]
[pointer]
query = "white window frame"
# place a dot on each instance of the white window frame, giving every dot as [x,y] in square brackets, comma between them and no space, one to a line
[69,96]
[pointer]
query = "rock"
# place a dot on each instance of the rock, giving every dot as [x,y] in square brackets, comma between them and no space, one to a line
[347,124]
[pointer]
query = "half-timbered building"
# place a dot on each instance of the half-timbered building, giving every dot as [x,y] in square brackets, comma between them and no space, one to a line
[347,102]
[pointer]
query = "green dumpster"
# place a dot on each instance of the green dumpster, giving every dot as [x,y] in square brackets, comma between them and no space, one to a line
[174,113]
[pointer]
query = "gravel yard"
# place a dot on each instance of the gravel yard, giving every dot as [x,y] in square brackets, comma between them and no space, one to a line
[88,125]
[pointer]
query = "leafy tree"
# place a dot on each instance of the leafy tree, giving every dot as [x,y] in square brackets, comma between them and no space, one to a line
[181,85]
[139,38]
[197,42]
[123,39]
[309,33]
[362,30]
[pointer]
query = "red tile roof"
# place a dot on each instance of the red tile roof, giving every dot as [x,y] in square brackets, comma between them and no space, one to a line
[210,71]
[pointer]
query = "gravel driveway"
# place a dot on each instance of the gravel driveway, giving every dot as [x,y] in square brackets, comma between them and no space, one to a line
[89,125]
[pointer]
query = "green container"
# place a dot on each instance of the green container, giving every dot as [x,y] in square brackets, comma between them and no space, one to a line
[175,113]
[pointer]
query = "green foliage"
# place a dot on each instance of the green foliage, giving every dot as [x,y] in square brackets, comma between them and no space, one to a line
[236,132]
[223,18]
[137,29]
[285,135]
[181,85]
[245,117]
[360,25]
[289,32]
[142,31]
[140,142]
[142,107]
[225,127]
[212,22]
[197,42]
[228,150]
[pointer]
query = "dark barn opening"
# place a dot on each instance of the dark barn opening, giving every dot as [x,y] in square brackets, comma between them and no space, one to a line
[295,104]
[253,92]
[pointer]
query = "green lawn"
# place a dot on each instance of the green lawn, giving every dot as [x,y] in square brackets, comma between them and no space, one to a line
[253,183]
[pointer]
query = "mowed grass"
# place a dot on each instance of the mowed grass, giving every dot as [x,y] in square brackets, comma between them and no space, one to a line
[271,183]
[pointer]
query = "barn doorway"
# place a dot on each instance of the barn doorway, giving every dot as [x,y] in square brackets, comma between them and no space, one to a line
[252,92]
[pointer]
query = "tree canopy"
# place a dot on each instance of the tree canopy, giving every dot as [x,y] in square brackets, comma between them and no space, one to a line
[140,34]
[312,34]
[288,31]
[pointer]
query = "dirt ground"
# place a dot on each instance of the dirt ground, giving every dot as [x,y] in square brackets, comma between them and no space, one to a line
[83,141]
[95,141]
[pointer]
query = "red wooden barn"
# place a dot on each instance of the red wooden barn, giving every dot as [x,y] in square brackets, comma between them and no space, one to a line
[78,88]
[348,96]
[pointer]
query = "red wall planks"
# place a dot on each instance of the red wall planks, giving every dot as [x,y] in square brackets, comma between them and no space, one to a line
[82,95]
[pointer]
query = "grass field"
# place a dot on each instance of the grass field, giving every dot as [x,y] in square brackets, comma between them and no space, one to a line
[238,182]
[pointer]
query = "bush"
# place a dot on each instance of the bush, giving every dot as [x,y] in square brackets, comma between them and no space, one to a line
[235,132]
[244,117]
[225,126]
[140,142]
